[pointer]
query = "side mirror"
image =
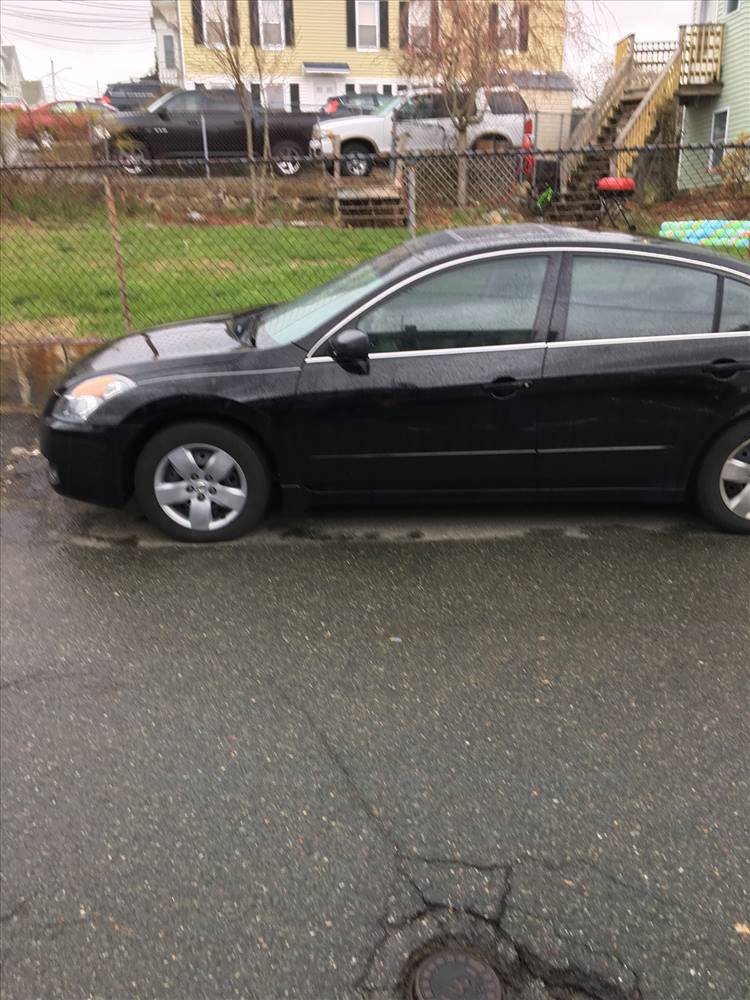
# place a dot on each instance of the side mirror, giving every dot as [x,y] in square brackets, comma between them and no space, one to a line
[163,114]
[350,345]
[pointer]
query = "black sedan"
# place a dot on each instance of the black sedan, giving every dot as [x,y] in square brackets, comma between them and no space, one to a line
[511,362]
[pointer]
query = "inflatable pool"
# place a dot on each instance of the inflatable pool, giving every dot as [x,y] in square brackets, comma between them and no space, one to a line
[709,232]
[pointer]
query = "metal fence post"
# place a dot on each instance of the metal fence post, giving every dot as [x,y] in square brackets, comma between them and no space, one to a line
[205,146]
[411,200]
[114,229]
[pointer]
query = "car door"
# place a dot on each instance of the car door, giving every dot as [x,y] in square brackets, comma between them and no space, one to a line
[420,120]
[180,131]
[446,401]
[225,126]
[641,371]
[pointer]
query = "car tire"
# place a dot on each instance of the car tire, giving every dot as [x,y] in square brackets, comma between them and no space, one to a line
[45,139]
[356,160]
[287,159]
[134,157]
[183,499]
[723,481]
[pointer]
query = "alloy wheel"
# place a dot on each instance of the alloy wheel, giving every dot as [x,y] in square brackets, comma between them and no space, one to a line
[357,165]
[133,161]
[735,481]
[287,161]
[200,487]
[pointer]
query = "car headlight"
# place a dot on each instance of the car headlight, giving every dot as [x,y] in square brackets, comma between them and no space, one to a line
[86,397]
[315,134]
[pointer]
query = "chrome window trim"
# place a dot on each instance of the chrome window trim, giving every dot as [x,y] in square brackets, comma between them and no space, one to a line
[310,357]
[667,337]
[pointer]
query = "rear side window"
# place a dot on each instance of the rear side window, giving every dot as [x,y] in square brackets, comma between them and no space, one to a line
[480,304]
[735,307]
[507,102]
[614,297]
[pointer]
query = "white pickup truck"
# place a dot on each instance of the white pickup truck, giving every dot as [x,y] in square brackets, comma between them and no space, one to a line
[423,118]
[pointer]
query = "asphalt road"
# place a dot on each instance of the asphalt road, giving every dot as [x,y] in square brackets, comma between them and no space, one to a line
[281,767]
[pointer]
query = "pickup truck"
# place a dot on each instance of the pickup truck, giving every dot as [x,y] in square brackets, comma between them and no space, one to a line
[423,118]
[171,128]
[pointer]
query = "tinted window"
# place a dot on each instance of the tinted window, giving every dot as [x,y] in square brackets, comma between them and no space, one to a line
[637,298]
[222,100]
[189,101]
[735,307]
[474,305]
[506,102]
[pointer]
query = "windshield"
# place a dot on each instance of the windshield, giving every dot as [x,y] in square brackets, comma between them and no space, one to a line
[155,105]
[295,320]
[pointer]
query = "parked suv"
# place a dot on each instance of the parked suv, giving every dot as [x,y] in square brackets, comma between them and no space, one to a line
[353,104]
[423,118]
[171,128]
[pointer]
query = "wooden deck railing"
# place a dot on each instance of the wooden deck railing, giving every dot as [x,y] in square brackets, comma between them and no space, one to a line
[700,45]
[641,123]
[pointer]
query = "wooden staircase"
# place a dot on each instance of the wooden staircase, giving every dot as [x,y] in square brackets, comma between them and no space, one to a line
[624,117]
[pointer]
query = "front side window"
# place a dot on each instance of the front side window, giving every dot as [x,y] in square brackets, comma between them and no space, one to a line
[480,304]
[620,297]
[367,24]
[271,24]
[420,15]
[169,61]
[215,23]
[718,135]
[735,306]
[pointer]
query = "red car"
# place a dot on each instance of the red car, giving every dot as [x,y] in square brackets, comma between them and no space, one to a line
[60,120]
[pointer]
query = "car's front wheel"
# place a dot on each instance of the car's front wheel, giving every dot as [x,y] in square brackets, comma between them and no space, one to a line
[202,482]
[356,160]
[723,484]
[287,159]
[134,157]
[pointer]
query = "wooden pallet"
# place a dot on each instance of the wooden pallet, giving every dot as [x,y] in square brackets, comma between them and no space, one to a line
[375,205]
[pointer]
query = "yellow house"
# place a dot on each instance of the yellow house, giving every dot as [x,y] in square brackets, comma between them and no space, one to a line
[313,49]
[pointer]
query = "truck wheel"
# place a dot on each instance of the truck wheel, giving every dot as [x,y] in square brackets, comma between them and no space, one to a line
[287,159]
[356,160]
[134,157]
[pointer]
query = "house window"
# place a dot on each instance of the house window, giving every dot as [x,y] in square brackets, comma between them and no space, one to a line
[731,6]
[420,15]
[719,123]
[367,25]
[274,95]
[508,26]
[271,24]
[215,23]
[169,62]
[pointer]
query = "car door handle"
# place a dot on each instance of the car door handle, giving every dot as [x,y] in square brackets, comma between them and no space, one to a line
[725,368]
[505,387]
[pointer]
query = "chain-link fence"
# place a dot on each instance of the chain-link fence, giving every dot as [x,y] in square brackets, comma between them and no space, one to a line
[90,250]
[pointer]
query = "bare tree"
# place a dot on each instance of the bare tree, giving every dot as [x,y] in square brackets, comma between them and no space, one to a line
[241,62]
[591,80]
[471,46]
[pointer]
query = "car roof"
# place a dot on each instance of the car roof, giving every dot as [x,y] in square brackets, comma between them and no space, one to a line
[474,239]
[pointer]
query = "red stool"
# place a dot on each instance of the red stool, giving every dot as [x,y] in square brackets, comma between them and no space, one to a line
[613,196]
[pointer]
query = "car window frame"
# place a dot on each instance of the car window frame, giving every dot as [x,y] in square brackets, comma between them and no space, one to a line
[541,320]
[559,321]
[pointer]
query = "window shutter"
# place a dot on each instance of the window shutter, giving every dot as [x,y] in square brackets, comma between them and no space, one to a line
[351,25]
[434,24]
[350,88]
[254,23]
[494,24]
[234,23]
[197,7]
[289,23]
[384,40]
[294,96]
[403,24]
[523,27]
[387,89]
[255,93]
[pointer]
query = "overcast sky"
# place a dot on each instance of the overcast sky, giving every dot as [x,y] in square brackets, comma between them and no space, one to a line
[96,42]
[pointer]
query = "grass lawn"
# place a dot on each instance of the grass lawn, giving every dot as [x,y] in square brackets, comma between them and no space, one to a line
[62,282]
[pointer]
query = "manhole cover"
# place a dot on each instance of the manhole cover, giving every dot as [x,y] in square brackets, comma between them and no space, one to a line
[453,974]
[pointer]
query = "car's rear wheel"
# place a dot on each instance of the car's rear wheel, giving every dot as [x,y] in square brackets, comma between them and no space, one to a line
[133,157]
[723,485]
[356,160]
[287,159]
[202,482]
[45,139]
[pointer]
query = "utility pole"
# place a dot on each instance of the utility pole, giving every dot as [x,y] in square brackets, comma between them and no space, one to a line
[52,74]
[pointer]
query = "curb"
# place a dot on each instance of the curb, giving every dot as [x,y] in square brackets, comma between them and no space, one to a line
[29,371]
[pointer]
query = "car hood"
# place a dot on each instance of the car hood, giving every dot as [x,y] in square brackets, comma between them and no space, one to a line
[352,123]
[205,344]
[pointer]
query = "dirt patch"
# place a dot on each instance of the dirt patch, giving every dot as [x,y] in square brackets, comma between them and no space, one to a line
[202,266]
[30,330]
